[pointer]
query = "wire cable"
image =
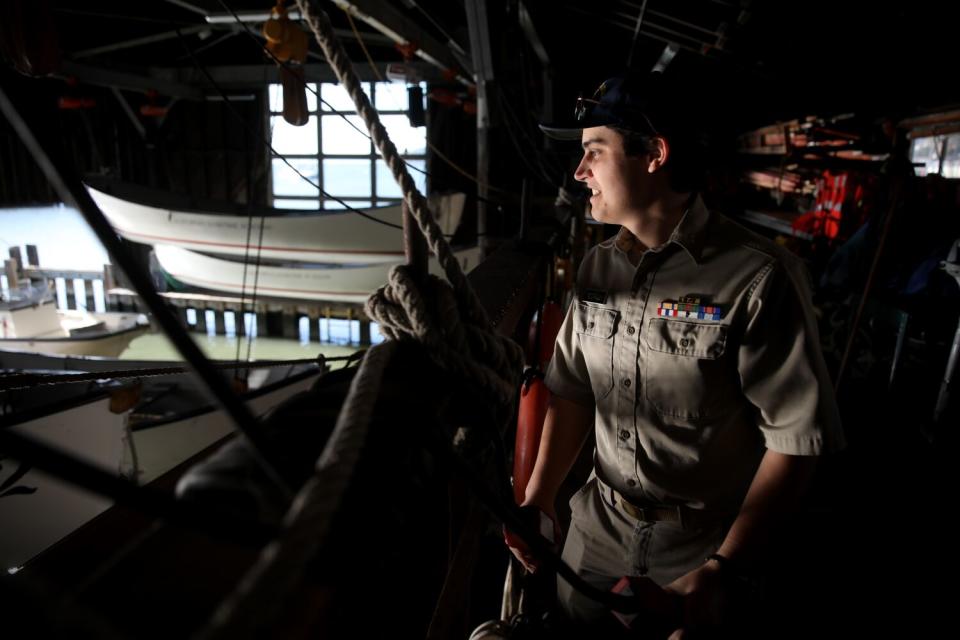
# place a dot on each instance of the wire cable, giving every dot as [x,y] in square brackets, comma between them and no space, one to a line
[365,134]
[266,142]
[353,25]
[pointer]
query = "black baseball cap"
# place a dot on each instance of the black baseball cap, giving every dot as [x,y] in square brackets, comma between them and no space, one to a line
[634,103]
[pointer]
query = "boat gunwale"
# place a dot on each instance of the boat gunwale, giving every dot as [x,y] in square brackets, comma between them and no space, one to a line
[209,408]
[138,195]
[113,333]
[59,406]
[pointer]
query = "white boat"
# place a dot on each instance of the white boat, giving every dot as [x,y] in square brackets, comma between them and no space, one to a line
[29,321]
[339,237]
[37,510]
[339,284]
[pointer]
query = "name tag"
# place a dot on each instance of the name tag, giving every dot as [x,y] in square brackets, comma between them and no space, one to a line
[594,295]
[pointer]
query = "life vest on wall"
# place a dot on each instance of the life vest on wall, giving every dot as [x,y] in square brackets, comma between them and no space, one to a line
[832,192]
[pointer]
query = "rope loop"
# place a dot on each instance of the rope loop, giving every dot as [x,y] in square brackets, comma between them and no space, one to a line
[447,318]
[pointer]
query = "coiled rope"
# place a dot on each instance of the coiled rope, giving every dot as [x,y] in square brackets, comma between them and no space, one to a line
[447,318]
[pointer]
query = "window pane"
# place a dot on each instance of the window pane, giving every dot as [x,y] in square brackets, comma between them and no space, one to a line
[282,203]
[387,187]
[288,183]
[287,139]
[409,140]
[356,204]
[392,96]
[275,97]
[951,162]
[336,97]
[346,177]
[340,138]
[927,151]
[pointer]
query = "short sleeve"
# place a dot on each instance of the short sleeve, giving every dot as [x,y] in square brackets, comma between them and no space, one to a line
[781,367]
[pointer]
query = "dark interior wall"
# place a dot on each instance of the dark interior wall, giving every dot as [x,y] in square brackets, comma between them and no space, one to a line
[207,150]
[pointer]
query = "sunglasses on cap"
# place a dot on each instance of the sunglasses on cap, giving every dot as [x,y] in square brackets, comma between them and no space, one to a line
[621,115]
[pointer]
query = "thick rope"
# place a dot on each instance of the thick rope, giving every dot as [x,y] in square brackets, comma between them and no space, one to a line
[306,525]
[398,308]
[448,320]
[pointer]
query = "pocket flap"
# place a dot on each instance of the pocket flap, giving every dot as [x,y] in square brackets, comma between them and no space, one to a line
[599,322]
[691,339]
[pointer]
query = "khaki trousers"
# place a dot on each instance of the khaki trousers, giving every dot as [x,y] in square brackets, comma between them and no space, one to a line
[605,543]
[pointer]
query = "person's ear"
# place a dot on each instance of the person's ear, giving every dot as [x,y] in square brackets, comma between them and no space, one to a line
[658,154]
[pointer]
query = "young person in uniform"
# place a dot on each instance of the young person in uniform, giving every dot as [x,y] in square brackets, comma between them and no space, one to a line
[691,350]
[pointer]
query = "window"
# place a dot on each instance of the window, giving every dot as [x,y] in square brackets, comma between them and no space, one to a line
[337,157]
[939,154]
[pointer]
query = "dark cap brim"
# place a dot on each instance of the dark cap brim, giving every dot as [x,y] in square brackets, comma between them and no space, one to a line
[562,133]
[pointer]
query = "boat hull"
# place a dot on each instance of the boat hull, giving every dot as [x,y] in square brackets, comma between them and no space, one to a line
[335,237]
[336,284]
[77,333]
[37,510]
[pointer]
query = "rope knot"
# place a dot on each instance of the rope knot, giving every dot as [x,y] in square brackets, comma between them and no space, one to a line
[433,315]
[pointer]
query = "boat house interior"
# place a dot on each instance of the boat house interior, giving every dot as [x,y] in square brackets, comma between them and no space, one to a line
[364,185]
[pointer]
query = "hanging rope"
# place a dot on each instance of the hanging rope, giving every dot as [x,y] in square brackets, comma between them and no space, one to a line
[447,318]
[454,326]
[306,525]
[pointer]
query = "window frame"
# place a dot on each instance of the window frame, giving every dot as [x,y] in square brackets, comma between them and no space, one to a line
[372,156]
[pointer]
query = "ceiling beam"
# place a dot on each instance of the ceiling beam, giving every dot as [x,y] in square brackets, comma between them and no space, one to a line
[396,26]
[141,80]
[190,84]
[526,23]
[189,7]
[139,42]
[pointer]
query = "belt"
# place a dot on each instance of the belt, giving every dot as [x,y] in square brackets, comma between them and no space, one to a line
[652,513]
[681,515]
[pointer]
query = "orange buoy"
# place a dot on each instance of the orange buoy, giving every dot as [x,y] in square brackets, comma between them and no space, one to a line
[552,318]
[534,398]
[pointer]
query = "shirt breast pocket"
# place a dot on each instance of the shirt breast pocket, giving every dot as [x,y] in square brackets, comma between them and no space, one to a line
[686,375]
[596,328]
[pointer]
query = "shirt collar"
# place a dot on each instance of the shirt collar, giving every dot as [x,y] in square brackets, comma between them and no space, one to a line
[689,232]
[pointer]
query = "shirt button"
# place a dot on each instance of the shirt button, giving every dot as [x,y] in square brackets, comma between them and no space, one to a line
[684,342]
[624,435]
[632,482]
[626,382]
[631,330]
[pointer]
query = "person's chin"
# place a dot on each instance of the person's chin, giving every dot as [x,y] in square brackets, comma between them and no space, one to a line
[600,215]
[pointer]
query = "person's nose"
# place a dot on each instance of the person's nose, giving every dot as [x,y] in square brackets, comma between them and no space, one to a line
[582,171]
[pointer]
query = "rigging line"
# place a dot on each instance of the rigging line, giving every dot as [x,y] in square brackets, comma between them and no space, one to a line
[283,159]
[467,174]
[373,67]
[451,42]
[27,380]
[303,82]
[432,146]
[253,303]
[243,284]
[336,112]
[62,177]
[505,105]
[636,33]
[537,172]
[269,146]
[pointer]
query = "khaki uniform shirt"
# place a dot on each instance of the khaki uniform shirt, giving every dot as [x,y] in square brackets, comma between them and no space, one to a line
[685,406]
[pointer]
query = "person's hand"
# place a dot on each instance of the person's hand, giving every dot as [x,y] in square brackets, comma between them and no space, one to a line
[704,592]
[540,519]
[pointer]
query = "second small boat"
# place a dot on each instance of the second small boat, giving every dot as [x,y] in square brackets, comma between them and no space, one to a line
[332,283]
